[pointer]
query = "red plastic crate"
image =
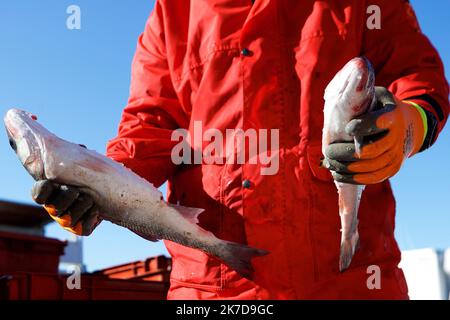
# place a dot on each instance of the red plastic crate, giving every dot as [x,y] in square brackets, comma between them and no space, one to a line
[152,269]
[33,286]
[22,252]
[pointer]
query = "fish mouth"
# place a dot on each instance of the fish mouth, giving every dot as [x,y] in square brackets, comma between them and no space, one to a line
[11,141]
[13,145]
[24,143]
[357,78]
[367,73]
[9,133]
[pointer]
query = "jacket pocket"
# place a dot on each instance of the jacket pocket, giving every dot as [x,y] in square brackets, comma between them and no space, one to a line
[324,221]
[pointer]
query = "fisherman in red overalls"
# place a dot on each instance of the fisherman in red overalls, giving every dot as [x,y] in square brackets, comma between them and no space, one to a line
[235,64]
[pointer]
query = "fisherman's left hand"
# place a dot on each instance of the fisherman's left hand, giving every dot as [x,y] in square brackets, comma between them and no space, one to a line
[71,208]
[390,134]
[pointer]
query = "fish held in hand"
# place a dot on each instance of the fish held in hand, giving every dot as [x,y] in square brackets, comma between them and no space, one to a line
[351,93]
[122,197]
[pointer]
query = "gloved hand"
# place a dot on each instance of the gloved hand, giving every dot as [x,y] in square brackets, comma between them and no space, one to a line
[74,210]
[390,134]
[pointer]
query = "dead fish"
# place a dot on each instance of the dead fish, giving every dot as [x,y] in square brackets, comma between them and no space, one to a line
[350,93]
[122,197]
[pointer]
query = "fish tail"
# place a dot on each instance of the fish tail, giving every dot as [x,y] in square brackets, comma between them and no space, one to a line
[238,257]
[349,199]
[348,248]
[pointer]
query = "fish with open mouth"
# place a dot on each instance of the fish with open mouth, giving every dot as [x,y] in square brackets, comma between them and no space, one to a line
[351,93]
[122,197]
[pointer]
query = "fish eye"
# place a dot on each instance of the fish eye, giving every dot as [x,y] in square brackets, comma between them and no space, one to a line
[13,145]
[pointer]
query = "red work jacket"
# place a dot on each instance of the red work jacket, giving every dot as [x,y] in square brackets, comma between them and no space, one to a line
[234,65]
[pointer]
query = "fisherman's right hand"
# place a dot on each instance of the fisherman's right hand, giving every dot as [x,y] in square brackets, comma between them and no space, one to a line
[74,210]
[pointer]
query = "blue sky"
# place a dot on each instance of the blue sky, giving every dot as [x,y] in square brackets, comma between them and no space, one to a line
[77,82]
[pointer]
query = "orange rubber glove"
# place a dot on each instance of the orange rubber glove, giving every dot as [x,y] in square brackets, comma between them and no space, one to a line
[387,136]
[70,208]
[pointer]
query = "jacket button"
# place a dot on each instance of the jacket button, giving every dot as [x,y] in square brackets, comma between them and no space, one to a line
[246,184]
[246,52]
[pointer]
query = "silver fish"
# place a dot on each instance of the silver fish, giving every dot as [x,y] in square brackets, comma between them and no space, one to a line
[122,197]
[350,93]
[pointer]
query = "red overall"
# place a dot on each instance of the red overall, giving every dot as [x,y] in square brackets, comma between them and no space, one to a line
[234,65]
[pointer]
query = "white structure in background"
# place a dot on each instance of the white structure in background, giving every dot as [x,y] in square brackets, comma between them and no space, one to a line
[424,272]
[73,256]
[447,269]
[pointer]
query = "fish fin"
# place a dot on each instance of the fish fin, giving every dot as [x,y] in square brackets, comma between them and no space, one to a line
[190,214]
[348,248]
[238,257]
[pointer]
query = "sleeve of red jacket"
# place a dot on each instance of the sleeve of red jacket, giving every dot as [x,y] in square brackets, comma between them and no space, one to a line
[143,143]
[407,63]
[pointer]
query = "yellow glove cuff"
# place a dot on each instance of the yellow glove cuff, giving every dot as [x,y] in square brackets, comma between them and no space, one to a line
[422,115]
